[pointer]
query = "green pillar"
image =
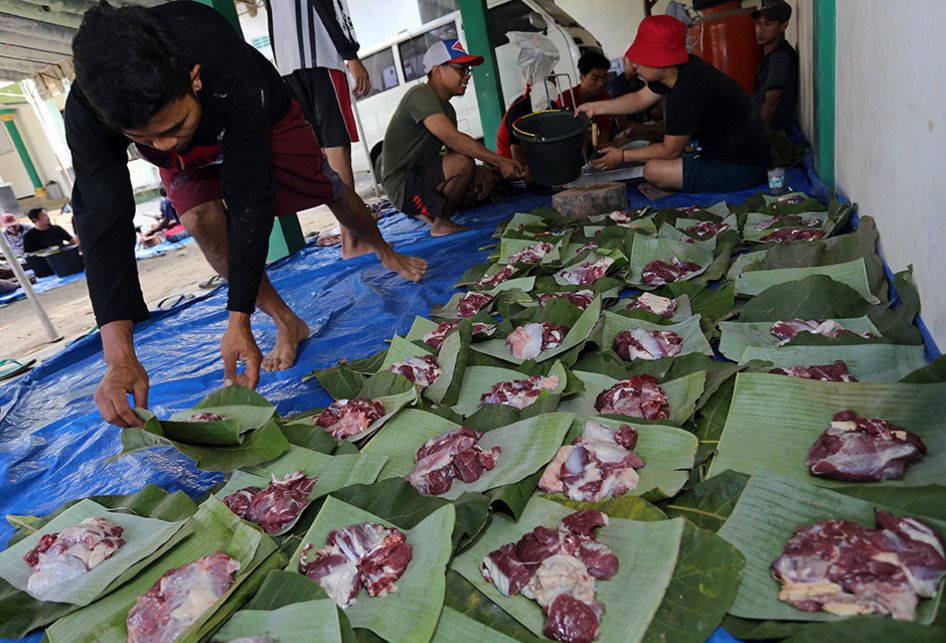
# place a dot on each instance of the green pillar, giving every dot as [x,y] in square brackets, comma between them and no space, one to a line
[6,115]
[287,236]
[489,91]
[825,23]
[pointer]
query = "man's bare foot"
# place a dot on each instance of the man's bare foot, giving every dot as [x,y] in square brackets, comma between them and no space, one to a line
[411,268]
[352,245]
[651,191]
[443,227]
[288,338]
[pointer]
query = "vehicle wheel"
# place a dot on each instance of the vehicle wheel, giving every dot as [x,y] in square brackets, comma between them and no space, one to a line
[377,166]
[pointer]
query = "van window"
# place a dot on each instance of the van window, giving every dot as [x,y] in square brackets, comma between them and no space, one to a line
[511,16]
[430,10]
[382,71]
[412,51]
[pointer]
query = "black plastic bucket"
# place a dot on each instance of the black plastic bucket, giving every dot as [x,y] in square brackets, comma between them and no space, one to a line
[66,262]
[552,141]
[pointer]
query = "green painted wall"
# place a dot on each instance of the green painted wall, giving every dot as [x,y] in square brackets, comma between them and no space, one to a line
[824,54]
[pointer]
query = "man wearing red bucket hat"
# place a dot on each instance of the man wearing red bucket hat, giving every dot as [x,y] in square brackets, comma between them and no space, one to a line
[731,147]
[418,180]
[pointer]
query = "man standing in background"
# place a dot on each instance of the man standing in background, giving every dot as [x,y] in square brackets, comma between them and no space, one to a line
[775,95]
[314,43]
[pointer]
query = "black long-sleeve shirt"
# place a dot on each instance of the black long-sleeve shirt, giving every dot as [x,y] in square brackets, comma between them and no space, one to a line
[241,98]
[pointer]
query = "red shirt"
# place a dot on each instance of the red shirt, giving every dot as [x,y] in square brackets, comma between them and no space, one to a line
[567,101]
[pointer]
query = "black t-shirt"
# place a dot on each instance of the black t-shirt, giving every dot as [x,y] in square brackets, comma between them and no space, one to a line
[778,70]
[708,105]
[241,98]
[620,85]
[519,108]
[35,239]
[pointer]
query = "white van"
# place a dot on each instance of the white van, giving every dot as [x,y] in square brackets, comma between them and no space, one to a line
[397,65]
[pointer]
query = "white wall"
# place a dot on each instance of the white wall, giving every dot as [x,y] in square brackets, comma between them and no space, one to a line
[891,134]
[11,167]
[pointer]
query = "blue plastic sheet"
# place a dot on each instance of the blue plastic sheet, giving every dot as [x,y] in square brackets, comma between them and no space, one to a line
[42,285]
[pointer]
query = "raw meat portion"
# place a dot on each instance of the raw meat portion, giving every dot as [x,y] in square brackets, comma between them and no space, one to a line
[498,277]
[587,272]
[62,556]
[421,371]
[591,245]
[454,454]
[599,464]
[367,554]
[179,598]
[276,506]
[639,343]
[519,393]
[788,221]
[206,416]
[834,372]
[787,330]
[557,568]
[790,235]
[527,341]
[658,273]
[707,229]
[580,298]
[640,396]
[345,418]
[624,216]
[844,568]
[662,306]
[861,449]
[472,303]
[435,337]
[532,254]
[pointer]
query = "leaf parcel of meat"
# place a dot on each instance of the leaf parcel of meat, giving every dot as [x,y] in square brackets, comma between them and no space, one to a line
[867,362]
[739,336]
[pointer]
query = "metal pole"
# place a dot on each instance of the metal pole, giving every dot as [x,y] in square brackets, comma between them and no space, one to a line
[21,277]
[364,143]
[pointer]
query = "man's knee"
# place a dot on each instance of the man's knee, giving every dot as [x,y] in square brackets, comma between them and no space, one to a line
[663,173]
[456,165]
[651,172]
[207,224]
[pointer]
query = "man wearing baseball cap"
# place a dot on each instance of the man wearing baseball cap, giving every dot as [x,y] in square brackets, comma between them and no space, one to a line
[775,95]
[704,109]
[15,232]
[418,180]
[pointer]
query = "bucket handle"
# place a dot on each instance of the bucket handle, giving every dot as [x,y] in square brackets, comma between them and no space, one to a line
[516,128]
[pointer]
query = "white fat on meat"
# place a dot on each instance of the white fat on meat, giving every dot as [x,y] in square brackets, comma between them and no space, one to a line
[526,341]
[561,574]
[656,304]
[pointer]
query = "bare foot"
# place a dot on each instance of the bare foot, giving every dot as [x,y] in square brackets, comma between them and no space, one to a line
[443,227]
[411,268]
[288,338]
[352,245]
[651,191]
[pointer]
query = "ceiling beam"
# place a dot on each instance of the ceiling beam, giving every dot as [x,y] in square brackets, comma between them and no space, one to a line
[12,39]
[22,65]
[31,54]
[28,29]
[36,12]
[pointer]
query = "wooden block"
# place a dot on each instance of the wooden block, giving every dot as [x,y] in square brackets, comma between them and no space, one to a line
[590,200]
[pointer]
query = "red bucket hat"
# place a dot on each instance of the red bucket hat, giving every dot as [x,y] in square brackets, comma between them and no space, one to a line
[661,42]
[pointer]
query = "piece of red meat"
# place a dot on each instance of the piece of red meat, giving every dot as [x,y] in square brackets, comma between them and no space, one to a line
[791,235]
[834,372]
[454,454]
[519,393]
[787,330]
[661,306]
[658,273]
[498,277]
[345,418]
[640,396]
[533,254]
[529,340]
[639,343]
[472,303]
[571,620]
[276,506]
[582,298]
[707,229]
[206,416]
[421,371]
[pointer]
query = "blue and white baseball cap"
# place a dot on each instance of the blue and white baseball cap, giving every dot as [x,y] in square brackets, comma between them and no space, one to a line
[448,51]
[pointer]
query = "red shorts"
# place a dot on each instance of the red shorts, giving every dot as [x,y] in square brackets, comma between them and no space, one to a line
[303,176]
[326,102]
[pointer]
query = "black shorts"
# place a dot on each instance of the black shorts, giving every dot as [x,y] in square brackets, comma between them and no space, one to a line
[326,102]
[421,195]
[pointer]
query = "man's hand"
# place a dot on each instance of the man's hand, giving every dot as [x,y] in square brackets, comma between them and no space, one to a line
[587,108]
[510,169]
[239,345]
[611,157]
[110,397]
[361,77]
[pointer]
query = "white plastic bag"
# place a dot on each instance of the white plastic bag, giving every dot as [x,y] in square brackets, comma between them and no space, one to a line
[538,56]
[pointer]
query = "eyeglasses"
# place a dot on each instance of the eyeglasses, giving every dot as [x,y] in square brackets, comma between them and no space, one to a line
[463,70]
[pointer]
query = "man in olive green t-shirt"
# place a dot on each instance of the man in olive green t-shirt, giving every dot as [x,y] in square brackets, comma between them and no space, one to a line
[418,179]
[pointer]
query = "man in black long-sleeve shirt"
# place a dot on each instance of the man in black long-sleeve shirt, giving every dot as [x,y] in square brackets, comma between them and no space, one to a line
[179,82]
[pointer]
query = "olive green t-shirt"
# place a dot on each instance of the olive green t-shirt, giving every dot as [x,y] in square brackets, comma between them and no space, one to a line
[407,143]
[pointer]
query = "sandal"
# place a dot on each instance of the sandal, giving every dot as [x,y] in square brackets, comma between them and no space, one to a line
[11,368]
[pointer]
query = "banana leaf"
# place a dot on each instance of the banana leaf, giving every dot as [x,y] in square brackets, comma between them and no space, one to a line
[682,396]
[668,454]
[689,331]
[614,270]
[525,219]
[709,503]
[449,310]
[852,273]
[422,326]
[411,612]
[673,233]
[577,334]
[462,597]
[454,627]
[214,528]
[479,380]
[257,446]
[333,472]
[751,231]
[243,408]
[451,357]
[776,435]
[145,540]
[737,337]
[647,553]
[935,371]
[527,446]
[867,362]
[647,249]
[780,203]
[683,311]
[509,246]
[769,511]
[305,621]
[712,303]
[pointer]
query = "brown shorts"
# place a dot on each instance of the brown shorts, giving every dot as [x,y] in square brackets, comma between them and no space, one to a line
[421,197]
[303,176]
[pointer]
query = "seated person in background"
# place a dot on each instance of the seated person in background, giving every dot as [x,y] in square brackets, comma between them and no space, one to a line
[637,126]
[593,76]
[537,58]
[166,220]
[775,95]
[14,231]
[419,181]
[44,234]
[8,282]
[702,103]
